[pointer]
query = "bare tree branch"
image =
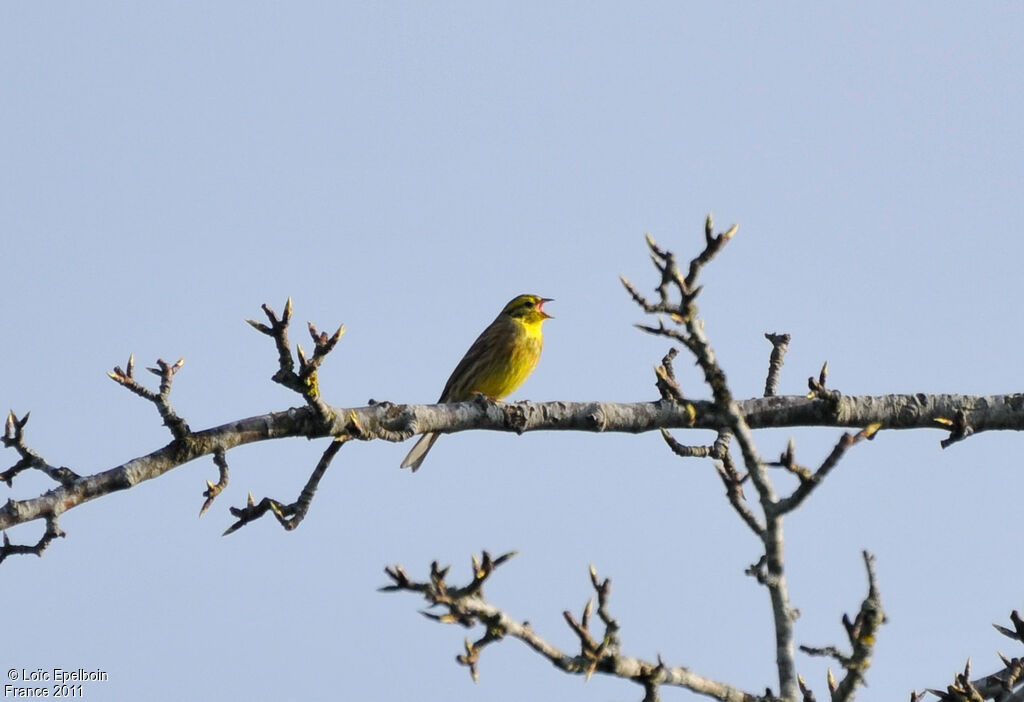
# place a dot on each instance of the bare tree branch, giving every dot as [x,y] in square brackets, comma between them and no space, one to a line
[14,437]
[214,489]
[1006,685]
[808,480]
[599,653]
[780,343]
[52,531]
[678,301]
[861,633]
[305,381]
[288,515]
[391,422]
[126,378]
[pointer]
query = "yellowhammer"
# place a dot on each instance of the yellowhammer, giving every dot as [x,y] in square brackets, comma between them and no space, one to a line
[496,364]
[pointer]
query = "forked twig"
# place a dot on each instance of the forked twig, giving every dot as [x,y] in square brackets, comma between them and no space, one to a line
[599,651]
[291,515]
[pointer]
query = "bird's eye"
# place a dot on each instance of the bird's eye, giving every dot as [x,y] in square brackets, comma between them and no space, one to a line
[530,303]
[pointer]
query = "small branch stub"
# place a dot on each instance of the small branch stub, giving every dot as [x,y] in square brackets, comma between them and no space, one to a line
[959,428]
[780,344]
[819,391]
[214,489]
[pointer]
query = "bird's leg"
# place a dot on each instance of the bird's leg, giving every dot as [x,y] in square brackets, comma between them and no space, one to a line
[484,401]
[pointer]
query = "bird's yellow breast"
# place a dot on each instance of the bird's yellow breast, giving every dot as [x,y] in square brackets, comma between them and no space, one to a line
[498,362]
[510,369]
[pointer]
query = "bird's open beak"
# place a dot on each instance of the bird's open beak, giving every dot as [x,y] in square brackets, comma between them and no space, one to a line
[540,307]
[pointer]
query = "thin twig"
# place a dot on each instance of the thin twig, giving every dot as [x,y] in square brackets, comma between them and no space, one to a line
[214,489]
[809,481]
[14,437]
[161,399]
[291,515]
[861,632]
[305,382]
[1005,685]
[52,532]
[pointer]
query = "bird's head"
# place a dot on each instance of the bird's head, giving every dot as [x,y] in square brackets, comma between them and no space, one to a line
[528,308]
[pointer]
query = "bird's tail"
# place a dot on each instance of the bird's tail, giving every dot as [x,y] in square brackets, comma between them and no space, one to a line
[419,451]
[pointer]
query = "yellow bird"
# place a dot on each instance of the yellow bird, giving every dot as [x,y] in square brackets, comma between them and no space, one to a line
[497,363]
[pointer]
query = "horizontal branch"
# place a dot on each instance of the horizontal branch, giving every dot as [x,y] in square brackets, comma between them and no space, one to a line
[392,422]
[918,411]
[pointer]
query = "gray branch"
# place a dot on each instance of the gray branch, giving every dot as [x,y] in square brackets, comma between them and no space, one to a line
[392,422]
[467,606]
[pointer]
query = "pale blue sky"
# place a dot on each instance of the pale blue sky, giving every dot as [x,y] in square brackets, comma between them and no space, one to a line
[406,169]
